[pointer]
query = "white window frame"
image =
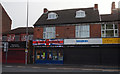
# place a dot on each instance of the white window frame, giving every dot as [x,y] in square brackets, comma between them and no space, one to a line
[80,14]
[52,15]
[46,33]
[79,31]
[105,29]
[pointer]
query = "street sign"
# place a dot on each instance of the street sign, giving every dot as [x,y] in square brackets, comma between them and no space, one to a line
[5,46]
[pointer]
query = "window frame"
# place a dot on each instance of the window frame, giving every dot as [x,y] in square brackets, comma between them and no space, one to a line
[46,32]
[78,31]
[106,29]
[52,15]
[80,14]
[11,37]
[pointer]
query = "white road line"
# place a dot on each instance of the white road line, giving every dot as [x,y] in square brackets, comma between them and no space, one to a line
[9,66]
[35,67]
[52,68]
[21,66]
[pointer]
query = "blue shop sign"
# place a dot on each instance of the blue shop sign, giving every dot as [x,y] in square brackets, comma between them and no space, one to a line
[81,40]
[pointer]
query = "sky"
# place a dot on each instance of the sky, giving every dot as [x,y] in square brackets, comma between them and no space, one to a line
[17,9]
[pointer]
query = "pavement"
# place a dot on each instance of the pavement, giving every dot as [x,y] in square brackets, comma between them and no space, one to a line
[58,68]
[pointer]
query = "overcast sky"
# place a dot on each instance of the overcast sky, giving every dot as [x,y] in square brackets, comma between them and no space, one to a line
[17,9]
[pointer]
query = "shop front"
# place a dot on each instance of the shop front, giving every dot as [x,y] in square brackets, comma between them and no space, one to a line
[49,51]
[92,51]
[14,52]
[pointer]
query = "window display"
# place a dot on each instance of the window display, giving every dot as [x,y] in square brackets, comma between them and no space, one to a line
[49,55]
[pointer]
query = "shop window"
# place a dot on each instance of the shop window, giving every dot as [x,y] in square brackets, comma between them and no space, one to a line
[42,55]
[109,30]
[82,31]
[38,55]
[49,32]
[60,55]
[49,55]
[55,57]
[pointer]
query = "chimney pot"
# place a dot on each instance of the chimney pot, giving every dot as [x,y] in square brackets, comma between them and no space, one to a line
[96,6]
[45,10]
[113,7]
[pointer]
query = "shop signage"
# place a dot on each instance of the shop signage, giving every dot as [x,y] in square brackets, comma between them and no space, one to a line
[83,41]
[21,44]
[48,42]
[111,40]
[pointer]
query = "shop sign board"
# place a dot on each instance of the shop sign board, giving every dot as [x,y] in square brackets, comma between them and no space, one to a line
[111,40]
[48,42]
[82,41]
[20,44]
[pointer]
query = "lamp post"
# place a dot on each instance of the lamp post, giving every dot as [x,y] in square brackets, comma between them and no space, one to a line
[26,50]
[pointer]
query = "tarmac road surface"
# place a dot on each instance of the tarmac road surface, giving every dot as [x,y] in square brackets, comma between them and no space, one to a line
[58,68]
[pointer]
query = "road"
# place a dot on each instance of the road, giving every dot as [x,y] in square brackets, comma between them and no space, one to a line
[57,68]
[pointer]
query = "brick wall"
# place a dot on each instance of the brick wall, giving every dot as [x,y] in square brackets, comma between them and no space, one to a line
[95,30]
[65,31]
[69,31]
[38,32]
[6,21]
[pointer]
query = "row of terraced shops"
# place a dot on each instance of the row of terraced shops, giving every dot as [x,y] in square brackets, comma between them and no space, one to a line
[76,39]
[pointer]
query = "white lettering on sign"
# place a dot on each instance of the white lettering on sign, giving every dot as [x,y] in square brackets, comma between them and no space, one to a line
[14,45]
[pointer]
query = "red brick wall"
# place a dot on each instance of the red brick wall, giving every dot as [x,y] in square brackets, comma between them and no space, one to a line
[38,32]
[69,31]
[6,21]
[95,30]
[65,31]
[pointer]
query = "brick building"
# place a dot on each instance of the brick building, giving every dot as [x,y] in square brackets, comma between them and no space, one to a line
[16,45]
[77,36]
[5,20]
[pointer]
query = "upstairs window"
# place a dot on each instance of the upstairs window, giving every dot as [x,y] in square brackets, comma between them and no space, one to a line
[49,32]
[4,38]
[30,37]
[52,15]
[109,30]
[23,37]
[80,14]
[82,31]
[17,37]
[10,37]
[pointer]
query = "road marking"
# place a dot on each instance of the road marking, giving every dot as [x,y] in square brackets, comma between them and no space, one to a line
[35,67]
[111,70]
[21,66]
[9,66]
[52,68]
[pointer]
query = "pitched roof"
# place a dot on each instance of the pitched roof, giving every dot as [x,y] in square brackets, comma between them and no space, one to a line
[20,30]
[68,17]
[111,17]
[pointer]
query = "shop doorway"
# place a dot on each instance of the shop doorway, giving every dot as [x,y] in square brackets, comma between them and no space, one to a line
[49,56]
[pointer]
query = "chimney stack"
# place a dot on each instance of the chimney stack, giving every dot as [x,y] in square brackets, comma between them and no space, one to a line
[96,6]
[113,7]
[45,10]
